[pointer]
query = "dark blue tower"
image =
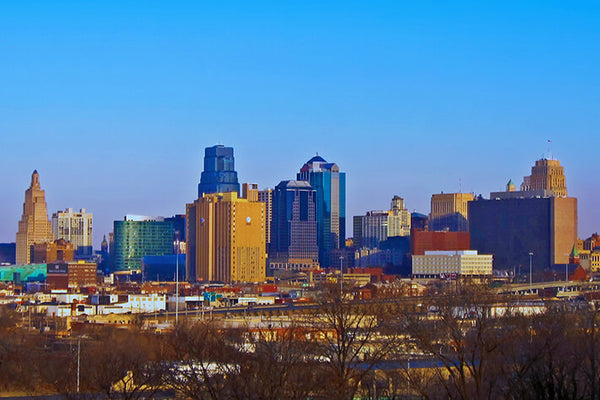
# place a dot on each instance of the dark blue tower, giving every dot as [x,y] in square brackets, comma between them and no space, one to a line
[219,174]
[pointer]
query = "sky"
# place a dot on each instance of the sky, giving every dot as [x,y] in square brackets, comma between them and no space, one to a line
[114,102]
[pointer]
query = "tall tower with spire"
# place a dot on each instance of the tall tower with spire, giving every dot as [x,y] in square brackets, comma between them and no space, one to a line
[34,226]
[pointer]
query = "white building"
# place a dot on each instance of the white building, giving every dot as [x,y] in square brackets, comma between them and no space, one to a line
[76,227]
[435,264]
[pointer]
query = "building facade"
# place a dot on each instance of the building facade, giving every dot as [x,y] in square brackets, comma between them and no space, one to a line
[435,264]
[546,175]
[219,175]
[57,250]
[34,226]
[266,196]
[422,241]
[377,226]
[294,227]
[330,185]
[449,212]
[137,236]
[75,227]
[226,239]
[512,228]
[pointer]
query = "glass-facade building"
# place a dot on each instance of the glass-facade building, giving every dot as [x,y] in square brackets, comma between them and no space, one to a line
[330,186]
[139,236]
[219,175]
[294,223]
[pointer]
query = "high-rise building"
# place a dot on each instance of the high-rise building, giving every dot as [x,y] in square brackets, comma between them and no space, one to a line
[225,239]
[330,185]
[449,212]
[75,227]
[294,227]
[250,191]
[538,219]
[378,226]
[266,196]
[546,175]
[137,236]
[219,175]
[512,228]
[34,226]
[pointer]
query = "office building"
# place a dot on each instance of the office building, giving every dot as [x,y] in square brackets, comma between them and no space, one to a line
[546,175]
[436,264]
[419,221]
[511,228]
[226,239]
[219,175]
[57,250]
[294,227]
[266,196]
[538,219]
[74,227]
[71,275]
[250,191]
[449,212]
[137,236]
[179,228]
[34,226]
[330,185]
[8,253]
[378,226]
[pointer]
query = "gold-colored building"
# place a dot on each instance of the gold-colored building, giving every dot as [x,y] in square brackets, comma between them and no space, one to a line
[250,191]
[57,250]
[226,239]
[546,175]
[34,226]
[449,212]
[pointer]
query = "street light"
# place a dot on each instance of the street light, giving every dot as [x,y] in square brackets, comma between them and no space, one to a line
[530,272]
[176,277]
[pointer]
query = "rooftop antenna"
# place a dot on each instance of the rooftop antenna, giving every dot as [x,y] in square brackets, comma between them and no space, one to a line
[459,185]
[549,149]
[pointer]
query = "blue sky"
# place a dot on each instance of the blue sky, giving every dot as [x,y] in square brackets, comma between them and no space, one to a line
[114,102]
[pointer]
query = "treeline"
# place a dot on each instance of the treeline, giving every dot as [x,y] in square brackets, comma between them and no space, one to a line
[467,344]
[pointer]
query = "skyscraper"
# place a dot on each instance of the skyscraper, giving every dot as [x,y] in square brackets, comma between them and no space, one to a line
[449,212]
[34,226]
[377,226]
[225,239]
[219,175]
[546,175]
[137,236]
[294,227]
[76,227]
[266,196]
[330,185]
[538,219]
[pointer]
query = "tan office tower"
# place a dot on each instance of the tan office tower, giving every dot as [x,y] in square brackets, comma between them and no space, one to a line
[546,175]
[226,239]
[76,227]
[266,196]
[250,191]
[34,226]
[449,212]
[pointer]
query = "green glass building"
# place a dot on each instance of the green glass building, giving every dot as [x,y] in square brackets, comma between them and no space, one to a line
[138,236]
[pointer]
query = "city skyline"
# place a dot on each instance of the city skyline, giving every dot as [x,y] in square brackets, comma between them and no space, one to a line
[114,105]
